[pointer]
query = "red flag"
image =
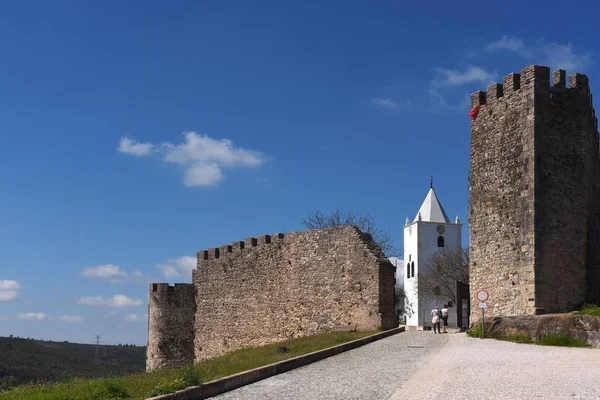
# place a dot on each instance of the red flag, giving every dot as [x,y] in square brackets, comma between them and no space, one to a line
[474,112]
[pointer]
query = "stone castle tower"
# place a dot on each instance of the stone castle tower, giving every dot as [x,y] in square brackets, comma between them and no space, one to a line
[430,232]
[534,194]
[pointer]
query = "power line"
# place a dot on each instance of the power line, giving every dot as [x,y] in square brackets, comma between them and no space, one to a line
[97,346]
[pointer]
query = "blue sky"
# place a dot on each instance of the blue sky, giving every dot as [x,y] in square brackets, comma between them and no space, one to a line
[134,134]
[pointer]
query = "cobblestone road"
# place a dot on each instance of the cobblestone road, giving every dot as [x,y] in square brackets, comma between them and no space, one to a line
[374,371]
[422,365]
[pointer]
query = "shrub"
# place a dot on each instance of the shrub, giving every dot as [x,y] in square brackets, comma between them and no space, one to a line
[116,388]
[561,339]
[475,331]
[190,375]
[589,309]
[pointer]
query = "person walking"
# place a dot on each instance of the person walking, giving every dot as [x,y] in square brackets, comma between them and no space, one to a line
[444,315]
[435,320]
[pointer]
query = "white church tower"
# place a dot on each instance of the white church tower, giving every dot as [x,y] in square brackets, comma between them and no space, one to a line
[430,232]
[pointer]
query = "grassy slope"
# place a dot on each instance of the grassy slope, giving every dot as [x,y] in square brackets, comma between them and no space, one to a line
[141,386]
[24,360]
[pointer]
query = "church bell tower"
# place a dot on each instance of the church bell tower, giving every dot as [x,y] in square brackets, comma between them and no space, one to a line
[429,232]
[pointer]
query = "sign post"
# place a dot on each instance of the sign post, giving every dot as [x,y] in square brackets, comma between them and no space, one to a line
[482,296]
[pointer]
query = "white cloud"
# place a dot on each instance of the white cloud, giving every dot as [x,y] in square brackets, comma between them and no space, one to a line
[203,174]
[120,301]
[384,103]
[31,316]
[71,318]
[9,290]
[509,43]
[117,301]
[562,56]
[555,55]
[9,285]
[130,146]
[175,267]
[204,149]
[201,157]
[104,271]
[451,77]
[114,274]
[92,300]
[135,318]
[7,295]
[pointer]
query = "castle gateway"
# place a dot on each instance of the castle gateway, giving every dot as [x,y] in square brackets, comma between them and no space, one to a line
[534,194]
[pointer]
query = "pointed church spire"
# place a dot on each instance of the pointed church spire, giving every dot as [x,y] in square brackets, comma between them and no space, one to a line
[407,221]
[457,221]
[432,210]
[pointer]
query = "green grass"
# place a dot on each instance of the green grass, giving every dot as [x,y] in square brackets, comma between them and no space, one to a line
[589,309]
[554,339]
[475,331]
[141,386]
[560,339]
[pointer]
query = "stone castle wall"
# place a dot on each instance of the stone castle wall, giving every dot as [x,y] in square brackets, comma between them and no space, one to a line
[270,289]
[171,313]
[534,150]
[275,288]
[568,156]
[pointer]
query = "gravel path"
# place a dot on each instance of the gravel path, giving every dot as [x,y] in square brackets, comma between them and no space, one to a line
[374,371]
[421,365]
[469,368]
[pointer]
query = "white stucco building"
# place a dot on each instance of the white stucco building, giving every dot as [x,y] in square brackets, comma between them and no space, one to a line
[430,231]
[399,275]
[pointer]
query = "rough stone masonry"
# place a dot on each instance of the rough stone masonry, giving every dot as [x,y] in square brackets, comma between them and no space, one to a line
[270,289]
[534,194]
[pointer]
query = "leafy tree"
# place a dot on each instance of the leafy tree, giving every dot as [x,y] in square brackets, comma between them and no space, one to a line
[403,305]
[364,222]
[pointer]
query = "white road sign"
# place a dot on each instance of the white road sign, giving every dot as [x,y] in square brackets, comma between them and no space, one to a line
[482,295]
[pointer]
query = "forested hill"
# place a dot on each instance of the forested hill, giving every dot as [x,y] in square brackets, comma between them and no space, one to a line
[24,360]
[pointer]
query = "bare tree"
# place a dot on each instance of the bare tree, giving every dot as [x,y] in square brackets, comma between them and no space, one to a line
[403,305]
[439,274]
[364,222]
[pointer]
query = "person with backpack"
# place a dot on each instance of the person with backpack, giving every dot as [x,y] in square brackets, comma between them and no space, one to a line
[444,315]
[435,320]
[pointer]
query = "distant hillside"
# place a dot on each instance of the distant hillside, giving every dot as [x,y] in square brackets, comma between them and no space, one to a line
[24,360]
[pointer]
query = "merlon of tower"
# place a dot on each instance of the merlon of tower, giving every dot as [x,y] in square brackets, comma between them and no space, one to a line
[432,210]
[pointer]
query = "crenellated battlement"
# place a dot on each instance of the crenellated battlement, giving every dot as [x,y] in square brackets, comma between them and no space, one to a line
[238,246]
[533,191]
[171,313]
[531,78]
[269,289]
[166,288]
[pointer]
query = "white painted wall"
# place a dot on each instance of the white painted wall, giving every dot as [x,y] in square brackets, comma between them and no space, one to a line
[399,275]
[411,254]
[420,243]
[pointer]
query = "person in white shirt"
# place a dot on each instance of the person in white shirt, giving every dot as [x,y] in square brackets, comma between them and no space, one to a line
[435,320]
